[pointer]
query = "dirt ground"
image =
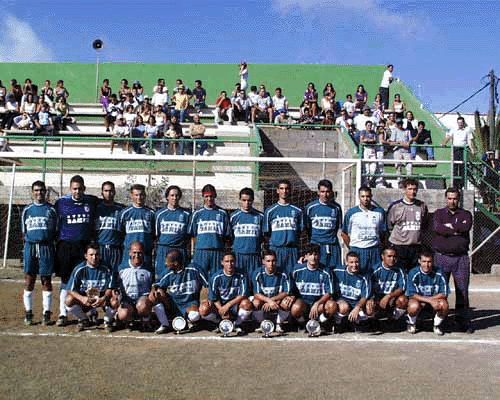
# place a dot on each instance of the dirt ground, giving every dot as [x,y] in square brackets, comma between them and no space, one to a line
[59,363]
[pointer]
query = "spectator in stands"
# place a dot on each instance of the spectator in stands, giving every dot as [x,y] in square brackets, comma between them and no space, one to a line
[23,121]
[62,118]
[360,98]
[150,133]
[329,119]
[342,119]
[306,118]
[410,123]
[3,92]
[368,137]
[120,130]
[349,106]
[130,115]
[390,124]
[197,132]
[223,108]
[60,90]
[124,88]
[253,95]
[200,96]
[243,75]
[11,111]
[43,122]
[242,108]
[47,92]
[173,131]
[352,131]
[178,84]
[138,92]
[105,91]
[311,95]
[29,87]
[382,136]
[181,99]
[398,107]
[378,108]
[422,136]
[401,140]
[235,92]
[29,105]
[16,90]
[360,120]
[280,103]
[328,101]
[160,86]
[160,98]
[130,100]
[384,85]
[137,132]
[145,112]
[283,119]
[161,119]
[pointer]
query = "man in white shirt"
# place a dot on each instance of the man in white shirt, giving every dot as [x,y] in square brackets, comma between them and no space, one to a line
[462,137]
[361,119]
[384,85]
[280,102]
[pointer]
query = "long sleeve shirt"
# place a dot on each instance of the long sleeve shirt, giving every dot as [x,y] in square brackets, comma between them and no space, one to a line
[451,231]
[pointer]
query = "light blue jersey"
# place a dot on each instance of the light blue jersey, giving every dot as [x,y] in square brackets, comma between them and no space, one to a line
[210,227]
[172,227]
[427,285]
[247,231]
[270,285]
[351,287]
[323,220]
[224,288]
[138,225]
[283,223]
[38,223]
[311,284]
[107,224]
[387,280]
[134,283]
[86,277]
[364,227]
[184,286]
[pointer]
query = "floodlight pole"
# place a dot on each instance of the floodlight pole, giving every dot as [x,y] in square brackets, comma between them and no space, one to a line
[492,112]
[97,75]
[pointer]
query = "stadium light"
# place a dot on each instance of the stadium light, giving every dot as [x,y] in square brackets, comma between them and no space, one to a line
[97,46]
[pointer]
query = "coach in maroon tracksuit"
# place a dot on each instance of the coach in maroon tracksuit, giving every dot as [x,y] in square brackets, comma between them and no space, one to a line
[452,225]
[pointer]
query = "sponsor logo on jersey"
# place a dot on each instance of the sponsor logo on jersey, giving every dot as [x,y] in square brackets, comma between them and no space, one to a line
[284,224]
[188,287]
[171,227]
[310,288]
[33,223]
[427,290]
[210,227]
[322,223]
[108,223]
[138,226]
[349,291]
[246,230]
[77,219]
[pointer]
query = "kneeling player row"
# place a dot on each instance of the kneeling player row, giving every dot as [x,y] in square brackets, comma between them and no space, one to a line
[310,293]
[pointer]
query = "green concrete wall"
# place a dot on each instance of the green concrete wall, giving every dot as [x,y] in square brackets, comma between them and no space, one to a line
[293,78]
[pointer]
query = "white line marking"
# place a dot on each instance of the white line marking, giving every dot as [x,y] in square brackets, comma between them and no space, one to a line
[349,339]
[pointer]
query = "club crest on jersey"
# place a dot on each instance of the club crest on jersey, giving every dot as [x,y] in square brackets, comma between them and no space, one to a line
[417,215]
[86,208]
[358,284]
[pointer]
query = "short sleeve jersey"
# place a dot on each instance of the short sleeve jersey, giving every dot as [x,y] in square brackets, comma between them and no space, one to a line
[210,227]
[323,220]
[247,231]
[38,223]
[270,285]
[387,280]
[364,227]
[76,217]
[311,284]
[135,282]
[351,287]
[85,277]
[224,288]
[184,286]
[427,285]
[107,224]
[405,220]
[283,224]
[138,225]
[172,226]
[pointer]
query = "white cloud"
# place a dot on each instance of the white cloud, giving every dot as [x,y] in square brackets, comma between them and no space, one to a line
[407,25]
[19,43]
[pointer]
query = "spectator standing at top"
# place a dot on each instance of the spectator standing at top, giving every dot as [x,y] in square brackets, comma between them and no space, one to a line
[387,79]
[243,75]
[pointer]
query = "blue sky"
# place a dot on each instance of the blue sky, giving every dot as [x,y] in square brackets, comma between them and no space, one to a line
[442,49]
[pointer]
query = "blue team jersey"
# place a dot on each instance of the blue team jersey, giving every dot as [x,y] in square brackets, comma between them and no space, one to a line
[76,217]
[134,282]
[172,226]
[364,227]
[85,277]
[311,284]
[427,285]
[323,221]
[387,280]
[247,231]
[283,224]
[270,285]
[210,227]
[184,286]
[351,287]
[138,224]
[224,288]
[107,224]
[38,223]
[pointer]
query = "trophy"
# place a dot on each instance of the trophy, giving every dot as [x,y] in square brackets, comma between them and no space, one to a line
[267,327]
[313,328]
[226,327]
[179,324]
[92,293]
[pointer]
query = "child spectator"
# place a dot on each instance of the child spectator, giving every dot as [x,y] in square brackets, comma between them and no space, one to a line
[43,122]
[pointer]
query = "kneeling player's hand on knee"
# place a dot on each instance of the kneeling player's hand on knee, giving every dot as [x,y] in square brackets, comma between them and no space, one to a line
[354,314]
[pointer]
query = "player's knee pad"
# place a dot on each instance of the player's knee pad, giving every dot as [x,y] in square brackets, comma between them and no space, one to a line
[193,316]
